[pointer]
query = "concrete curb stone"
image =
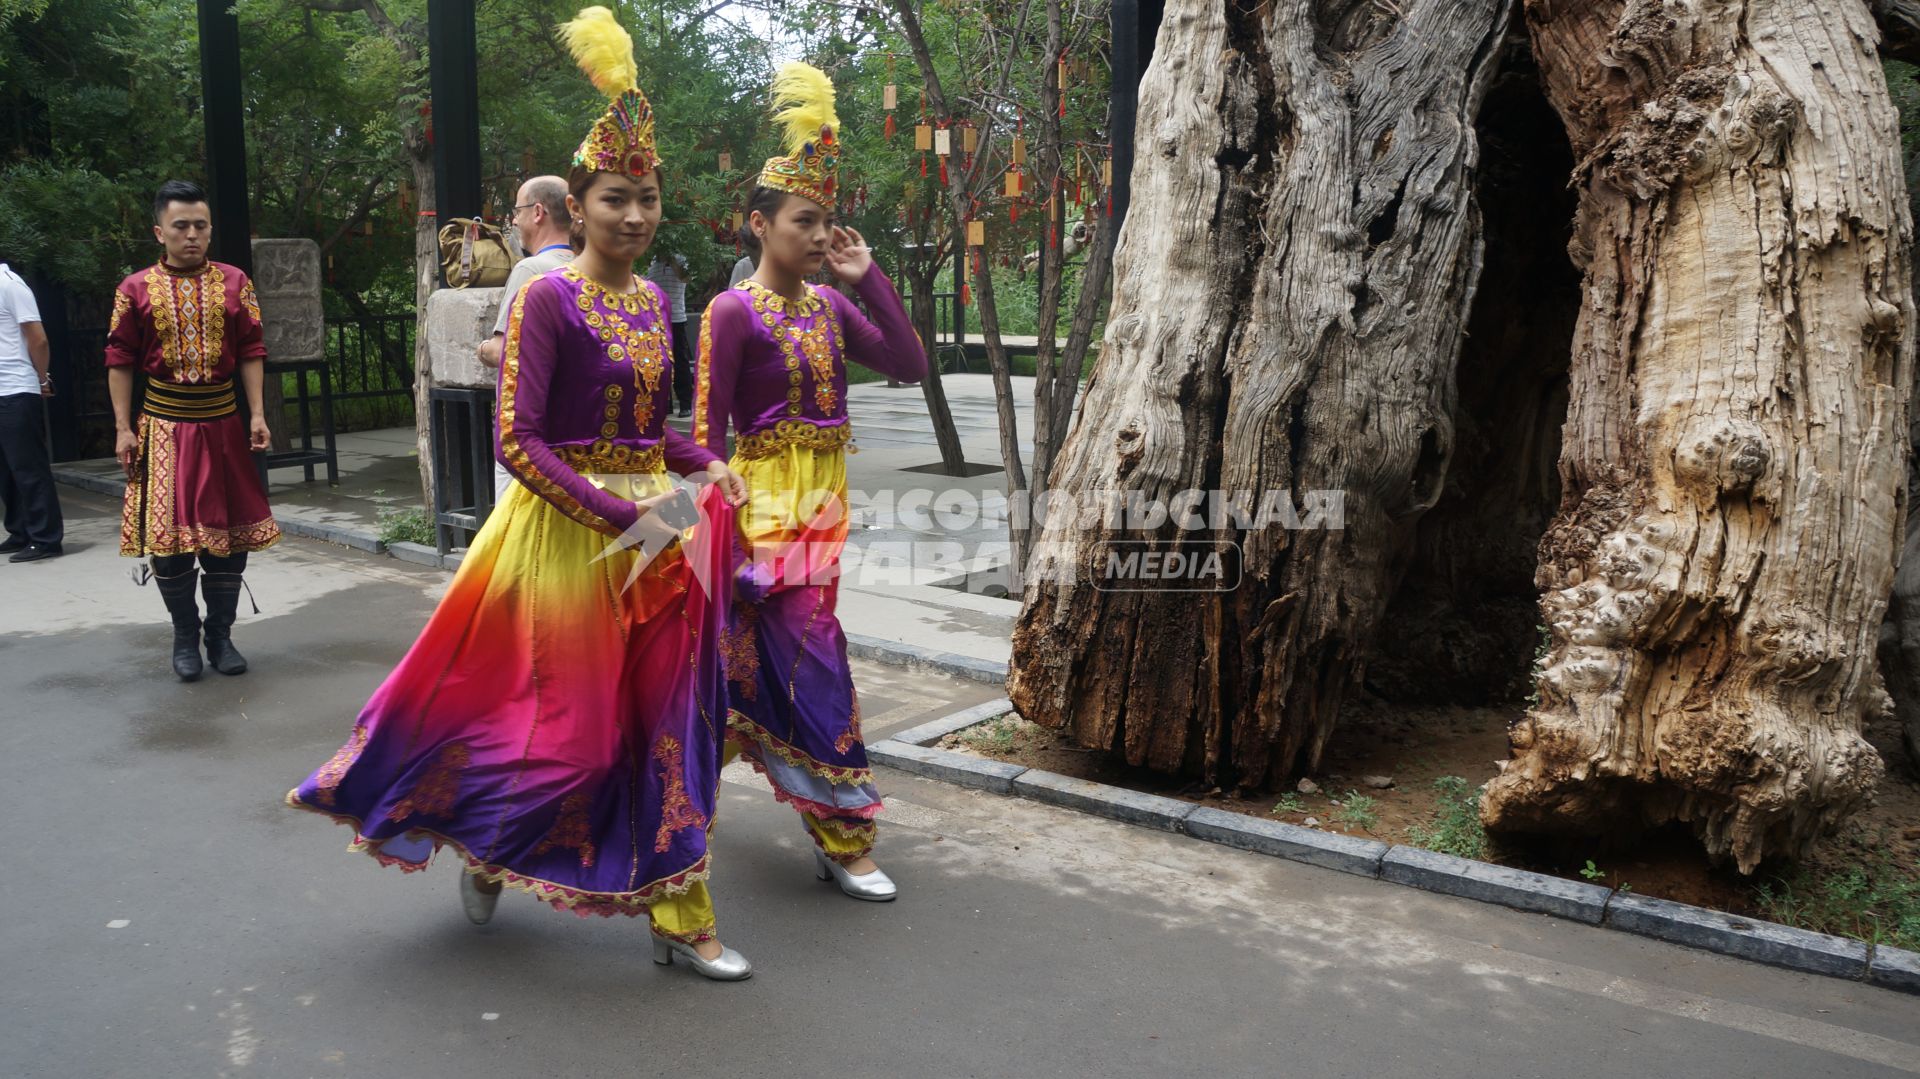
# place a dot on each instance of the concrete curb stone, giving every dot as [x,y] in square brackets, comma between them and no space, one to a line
[1895,968]
[965,771]
[1516,888]
[915,657]
[416,553]
[1675,923]
[100,485]
[927,734]
[1327,850]
[1746,938]
[1101,799]
[345,537]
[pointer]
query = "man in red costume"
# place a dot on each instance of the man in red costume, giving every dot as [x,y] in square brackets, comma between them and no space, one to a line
[188,325]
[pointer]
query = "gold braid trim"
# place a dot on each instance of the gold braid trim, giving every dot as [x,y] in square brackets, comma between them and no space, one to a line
[743,726]
[798,433]
[510,446]
[560,896]
[612,458]
[703,378]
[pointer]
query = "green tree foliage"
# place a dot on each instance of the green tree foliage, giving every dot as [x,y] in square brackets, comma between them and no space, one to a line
[101,102]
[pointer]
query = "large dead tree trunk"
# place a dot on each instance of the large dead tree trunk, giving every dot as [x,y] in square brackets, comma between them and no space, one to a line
[1732,464]
[1291,284]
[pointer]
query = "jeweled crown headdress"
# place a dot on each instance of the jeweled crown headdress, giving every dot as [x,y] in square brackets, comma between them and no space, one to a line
[803,105]
[621,140]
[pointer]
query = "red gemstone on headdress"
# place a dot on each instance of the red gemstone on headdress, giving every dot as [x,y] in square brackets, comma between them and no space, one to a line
[636,163]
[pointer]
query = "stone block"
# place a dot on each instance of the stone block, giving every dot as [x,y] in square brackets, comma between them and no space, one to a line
[286,277]
[457,321]
[950,767]
[1324,849]
[1101,799]
[1895,968]
[1747,938]
[1515,888]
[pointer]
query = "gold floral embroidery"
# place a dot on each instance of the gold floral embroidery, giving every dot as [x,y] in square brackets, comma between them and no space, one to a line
[149,523]
[611,458]
[510,446]
[335,770]
[771,440]
[645,349]
[740,652]
[851,736]
[572,830]
[783,317]
[122,306]
[437,791]
[189,319]
[676,809]
[633,902]
[752,738]
[249,300]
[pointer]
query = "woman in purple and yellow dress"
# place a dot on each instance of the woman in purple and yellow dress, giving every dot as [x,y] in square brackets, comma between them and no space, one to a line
[559,721]
[773,362]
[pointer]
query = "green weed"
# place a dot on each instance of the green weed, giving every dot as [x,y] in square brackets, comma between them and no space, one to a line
[1876,899]
[1455,828]
[1358,810]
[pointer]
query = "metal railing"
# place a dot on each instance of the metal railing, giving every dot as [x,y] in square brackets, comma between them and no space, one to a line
[371,362]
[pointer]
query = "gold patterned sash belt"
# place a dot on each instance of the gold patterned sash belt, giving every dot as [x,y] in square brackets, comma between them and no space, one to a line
[771,440]
[608,458]
[181,401]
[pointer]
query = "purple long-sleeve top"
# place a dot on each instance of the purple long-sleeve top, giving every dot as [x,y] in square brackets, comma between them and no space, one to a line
[586,381]
[777,370]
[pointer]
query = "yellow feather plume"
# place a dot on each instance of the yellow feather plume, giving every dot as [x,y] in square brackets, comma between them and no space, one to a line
[803,102]
[602,49]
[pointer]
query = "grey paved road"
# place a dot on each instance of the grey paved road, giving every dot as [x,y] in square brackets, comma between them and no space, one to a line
[166,917]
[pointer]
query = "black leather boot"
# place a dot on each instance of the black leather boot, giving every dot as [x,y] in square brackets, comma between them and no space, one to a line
[177,591]
[223,603]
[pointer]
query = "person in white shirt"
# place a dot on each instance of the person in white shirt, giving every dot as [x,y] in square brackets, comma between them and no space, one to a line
[34,526]
[545,229]
[670,273]
[741,270]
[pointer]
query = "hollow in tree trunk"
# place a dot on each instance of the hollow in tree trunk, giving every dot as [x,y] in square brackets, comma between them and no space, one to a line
[1733,460]
[1291,283]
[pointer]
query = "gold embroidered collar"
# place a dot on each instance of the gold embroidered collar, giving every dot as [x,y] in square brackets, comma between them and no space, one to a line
[801,308]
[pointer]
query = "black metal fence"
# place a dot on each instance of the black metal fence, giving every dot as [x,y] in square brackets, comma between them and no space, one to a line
[371,360]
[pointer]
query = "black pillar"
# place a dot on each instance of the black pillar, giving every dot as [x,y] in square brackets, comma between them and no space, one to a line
[226,134]
[454,81]
[1135,25]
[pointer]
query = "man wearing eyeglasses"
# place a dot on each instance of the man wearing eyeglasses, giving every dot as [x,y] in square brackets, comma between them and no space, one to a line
[543,226]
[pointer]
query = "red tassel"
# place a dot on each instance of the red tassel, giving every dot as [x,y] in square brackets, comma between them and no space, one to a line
[1109,204]
[889,125]
[923,166]
[1013,213]
[966,297]
[1050,232]
[943,170]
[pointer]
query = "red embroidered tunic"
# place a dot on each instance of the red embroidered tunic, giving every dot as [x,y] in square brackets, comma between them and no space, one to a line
[185,326]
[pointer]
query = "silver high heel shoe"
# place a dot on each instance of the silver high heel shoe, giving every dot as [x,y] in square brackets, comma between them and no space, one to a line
[875,887]
[478,904]
[731,966]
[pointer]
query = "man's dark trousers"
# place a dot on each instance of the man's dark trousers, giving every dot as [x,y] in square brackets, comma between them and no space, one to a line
[26,475]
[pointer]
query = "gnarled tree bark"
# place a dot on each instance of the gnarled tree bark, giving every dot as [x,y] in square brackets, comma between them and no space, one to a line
[1291,284]
[1733,460]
